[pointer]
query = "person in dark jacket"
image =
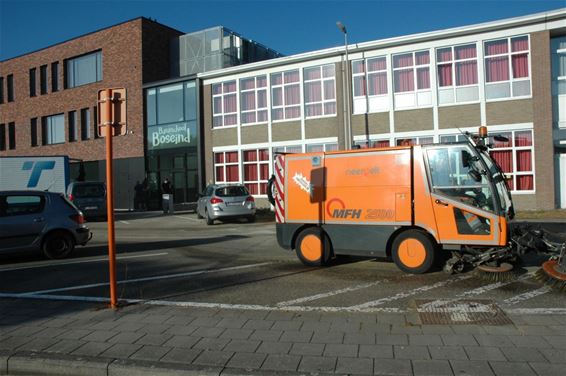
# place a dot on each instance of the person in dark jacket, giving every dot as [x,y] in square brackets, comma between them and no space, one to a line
[167,196]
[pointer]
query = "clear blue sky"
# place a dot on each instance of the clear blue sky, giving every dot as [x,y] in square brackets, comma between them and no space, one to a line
[287,26]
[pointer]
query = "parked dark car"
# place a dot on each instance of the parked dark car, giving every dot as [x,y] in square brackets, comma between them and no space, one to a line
[37,220]
[89,197]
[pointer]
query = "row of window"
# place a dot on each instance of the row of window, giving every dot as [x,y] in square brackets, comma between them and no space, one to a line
[11,139]
[43,79]
[53,127]
[9,88]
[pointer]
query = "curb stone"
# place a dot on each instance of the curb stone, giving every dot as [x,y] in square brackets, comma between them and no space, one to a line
[32,363]
[124,367]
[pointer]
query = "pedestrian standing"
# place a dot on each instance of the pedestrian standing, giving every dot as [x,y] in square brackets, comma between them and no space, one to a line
[167,197]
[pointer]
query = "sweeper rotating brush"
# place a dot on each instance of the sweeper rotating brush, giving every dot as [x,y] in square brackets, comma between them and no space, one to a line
[503,272]
[553,273]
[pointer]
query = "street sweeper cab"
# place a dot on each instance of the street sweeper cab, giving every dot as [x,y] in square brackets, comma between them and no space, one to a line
[409,203]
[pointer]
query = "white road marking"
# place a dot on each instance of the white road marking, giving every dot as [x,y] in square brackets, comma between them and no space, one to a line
[188,218]
[527,295]
[145,279]
[124,222]
[55,263]
[412,292]
[258,307]
[330,293]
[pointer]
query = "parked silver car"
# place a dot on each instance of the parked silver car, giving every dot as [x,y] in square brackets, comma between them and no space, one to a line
[89,197]
[36,220]
[224,202]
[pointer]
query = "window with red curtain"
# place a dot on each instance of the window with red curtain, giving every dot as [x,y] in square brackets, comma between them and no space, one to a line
[224,104]
[285,95]
[507,60]
[226,167]
[411,67]
[515,157]
[320,90]
[377,76]
[256,170]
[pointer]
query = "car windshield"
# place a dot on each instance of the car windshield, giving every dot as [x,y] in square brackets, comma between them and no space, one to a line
[89,190]
[232,191]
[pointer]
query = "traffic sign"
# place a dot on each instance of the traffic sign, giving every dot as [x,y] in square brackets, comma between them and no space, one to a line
[117,117]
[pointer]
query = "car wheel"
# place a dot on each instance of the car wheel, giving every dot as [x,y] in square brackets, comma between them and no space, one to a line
[57,245]
[209,221]
[313,247]
[414,251]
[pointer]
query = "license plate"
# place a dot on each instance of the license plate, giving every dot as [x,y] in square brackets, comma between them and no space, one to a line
[91,208]
[233,203]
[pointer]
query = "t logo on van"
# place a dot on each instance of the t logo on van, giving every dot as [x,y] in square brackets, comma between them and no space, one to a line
[36,169]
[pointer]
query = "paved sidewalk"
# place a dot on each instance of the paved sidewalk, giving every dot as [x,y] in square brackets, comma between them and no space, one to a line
[58,337]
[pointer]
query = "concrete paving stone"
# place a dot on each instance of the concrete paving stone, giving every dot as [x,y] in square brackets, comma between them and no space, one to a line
[391,339]
[104,325]
[497,341]
[538,330]
[554,355]
[12,343]
[132,317]
[182,341]
[545,369]
[468,329]
[432,368]
[25,330]
[376,351]
[355,366]
[180,320]
[375,328]
[215,344]
[258,324]
[121,350]
[74,334]
[504,330]
[317,364]
[281,362]
[529,341]
[406,329]
[232,323]
[340,349]
[181,355]
[296,336]
[154,339]
[308,316]
[447,352]
[56,364]
[64,346]
[213,358]
[327,337]
[38,344]
[154,328]
[59,322]
[359,338]
[208,332]
[540,320]
[511,369]
[391,318]
[266,335]
[126,337]
[92,348]
[392,367]
[287,325]
[100,335]
[345,327]
[522,354]
[274,347]
[280,315]
[471,368]
[178,330]
[131,326]
[155,318]
[242,345]
[315,326]
[554,330]
[313,349]
[237,333]
[247,361]
[152,353]
[425,339]
[458,340]
[253,315]
[558,342]
[437,329]
[484,353]
[411,352]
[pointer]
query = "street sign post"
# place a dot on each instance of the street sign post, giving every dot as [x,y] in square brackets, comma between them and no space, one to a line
[112,122]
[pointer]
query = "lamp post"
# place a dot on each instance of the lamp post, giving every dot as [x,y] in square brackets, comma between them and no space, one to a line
[346,90]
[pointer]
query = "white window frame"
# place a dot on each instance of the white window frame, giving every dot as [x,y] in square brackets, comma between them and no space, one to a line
[415,93]
[376,102]
[225,164]
[328,146]
[323,100]
[256,91]
[258,163]
[558,81]
[511,81]
[283,87]
[416,138]
[454,87]
[221,95]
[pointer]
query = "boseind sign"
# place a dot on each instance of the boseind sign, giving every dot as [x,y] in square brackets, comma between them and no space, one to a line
[171,136]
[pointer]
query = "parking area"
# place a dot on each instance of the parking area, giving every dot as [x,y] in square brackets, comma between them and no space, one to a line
[178,260]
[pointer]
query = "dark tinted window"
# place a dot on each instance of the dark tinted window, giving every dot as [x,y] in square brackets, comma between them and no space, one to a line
[232,191]
[88,190]
[21,205]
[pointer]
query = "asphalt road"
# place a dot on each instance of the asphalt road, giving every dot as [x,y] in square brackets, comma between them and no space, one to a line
[179,260]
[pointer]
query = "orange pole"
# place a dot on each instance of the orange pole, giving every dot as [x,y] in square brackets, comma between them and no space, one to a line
[109,125]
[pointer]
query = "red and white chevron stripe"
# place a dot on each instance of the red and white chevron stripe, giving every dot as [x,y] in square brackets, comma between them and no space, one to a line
[279,194]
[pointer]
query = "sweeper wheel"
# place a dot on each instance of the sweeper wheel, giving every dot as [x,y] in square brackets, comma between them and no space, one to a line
[553,274]
[496,273]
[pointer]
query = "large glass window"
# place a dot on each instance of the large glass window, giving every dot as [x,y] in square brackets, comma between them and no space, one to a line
[515,157]
[226,167]
[370,77]
[411,79]
[253,99]
[53,129]
[83,70]
[170,104]
[256,170]
[507,68]
[285,95]
[320,91]
[457,69]
[224,104]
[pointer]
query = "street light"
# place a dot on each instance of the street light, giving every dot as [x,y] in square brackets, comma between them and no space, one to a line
[346,89]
